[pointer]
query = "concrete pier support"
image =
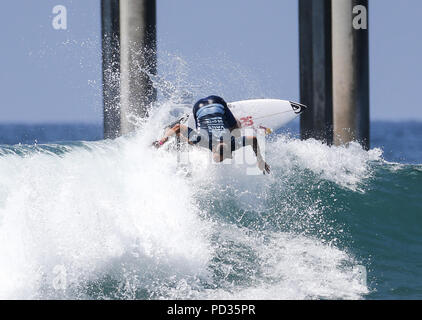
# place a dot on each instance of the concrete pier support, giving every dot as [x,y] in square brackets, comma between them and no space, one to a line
[138,60]
[350,71]
[111,67]
[315,69]
[334,70]
[129,63]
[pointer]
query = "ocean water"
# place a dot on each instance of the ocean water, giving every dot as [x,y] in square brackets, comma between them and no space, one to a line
[85,218]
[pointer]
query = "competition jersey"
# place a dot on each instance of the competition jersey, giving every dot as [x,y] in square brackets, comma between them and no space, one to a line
[213,116]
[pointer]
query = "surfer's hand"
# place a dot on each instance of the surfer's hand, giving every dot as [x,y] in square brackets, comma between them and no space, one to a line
[157,144]
[267,168]
[263,166]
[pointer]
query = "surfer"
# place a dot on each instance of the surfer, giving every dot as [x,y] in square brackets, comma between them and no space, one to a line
[217,130]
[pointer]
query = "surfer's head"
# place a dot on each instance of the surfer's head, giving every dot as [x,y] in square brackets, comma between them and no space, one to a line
[221,152]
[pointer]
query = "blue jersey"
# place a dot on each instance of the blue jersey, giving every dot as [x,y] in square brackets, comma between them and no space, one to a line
[215,121]
[213,115]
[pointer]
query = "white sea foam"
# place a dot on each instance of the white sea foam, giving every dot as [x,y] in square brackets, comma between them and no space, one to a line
[123,212]
[85,209]
[346,166]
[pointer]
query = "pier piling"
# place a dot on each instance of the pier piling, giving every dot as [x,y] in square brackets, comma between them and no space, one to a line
[131,55]
[334,70]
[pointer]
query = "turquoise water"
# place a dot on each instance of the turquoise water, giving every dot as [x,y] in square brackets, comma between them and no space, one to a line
[120,220]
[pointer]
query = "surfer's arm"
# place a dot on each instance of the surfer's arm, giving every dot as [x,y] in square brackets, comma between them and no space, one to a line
[175,130]
[253,141]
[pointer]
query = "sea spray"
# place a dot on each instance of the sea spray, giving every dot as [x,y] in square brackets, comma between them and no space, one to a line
[119,219]
[87,208]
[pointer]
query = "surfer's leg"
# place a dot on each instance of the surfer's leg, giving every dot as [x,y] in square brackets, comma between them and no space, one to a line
[221,151]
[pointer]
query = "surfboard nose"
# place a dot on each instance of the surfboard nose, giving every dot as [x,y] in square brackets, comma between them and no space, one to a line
[298,108]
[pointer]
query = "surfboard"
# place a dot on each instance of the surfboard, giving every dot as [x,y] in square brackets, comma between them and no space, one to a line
[265,115]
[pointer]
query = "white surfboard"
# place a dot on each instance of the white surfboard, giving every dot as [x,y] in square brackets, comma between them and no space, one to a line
[268,115]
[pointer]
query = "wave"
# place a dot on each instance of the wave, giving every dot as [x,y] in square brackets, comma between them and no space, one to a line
[121,220]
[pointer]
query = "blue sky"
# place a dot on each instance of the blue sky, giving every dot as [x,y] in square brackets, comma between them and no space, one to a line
[239,49]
